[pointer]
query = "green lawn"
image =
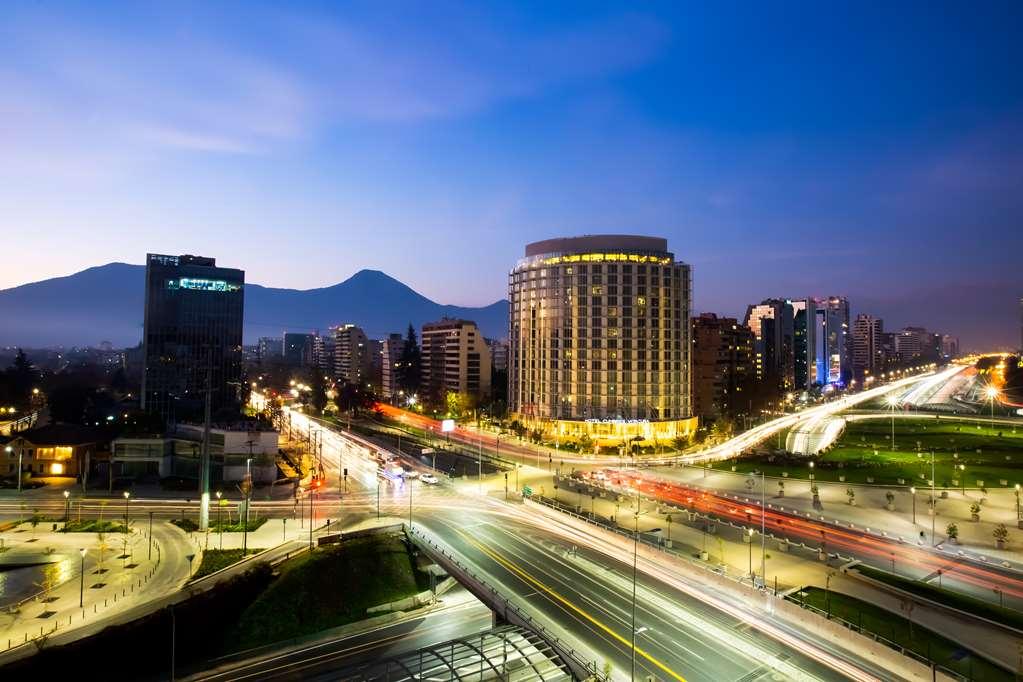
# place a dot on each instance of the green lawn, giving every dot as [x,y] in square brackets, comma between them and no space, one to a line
[215,559]
[190,526]
[978,607]
[328,587]
[896,628]
[989,454]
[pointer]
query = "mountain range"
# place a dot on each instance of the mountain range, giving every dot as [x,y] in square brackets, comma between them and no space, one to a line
[105,303]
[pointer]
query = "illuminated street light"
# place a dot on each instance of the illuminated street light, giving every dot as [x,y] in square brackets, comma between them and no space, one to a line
[992,393]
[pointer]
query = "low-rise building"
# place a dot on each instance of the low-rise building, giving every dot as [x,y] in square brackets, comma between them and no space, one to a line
[53,450]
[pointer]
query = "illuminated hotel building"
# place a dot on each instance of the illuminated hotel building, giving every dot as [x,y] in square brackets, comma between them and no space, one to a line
[599,339]
[193,327]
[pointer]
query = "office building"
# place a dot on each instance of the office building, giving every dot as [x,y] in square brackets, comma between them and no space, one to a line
[298,349]
[351,359]
[773,326]
[599,340]
[323,353]
[910,344]
[390,356]
[806,343]
[268,349]
[455,358]
[192,340]
[949,347]
[868,352]
[723,367]
[834,362]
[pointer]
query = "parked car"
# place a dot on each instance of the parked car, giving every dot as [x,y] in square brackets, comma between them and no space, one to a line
[411,473]
[429,479]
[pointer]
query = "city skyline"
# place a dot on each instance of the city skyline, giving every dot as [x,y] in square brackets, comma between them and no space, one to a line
[517,126]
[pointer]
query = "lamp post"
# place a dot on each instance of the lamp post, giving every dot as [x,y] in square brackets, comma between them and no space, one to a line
[127,495]
[912,492]
[67,496]
[893,402]
[635,561]
[749,532]
[1017,503]
[150,534]
[220,524]
[248,497]
[991,394]
[81,589]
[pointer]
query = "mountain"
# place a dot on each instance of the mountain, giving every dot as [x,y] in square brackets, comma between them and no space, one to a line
[105,303]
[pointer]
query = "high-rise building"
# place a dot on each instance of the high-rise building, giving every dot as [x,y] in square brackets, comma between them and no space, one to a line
[868,353]
[773,326]
[298,349]
[323,353]
[192,339]
[723,367]
[599,339]
[390,356]
[374,365]
[806,343]
[268,348]
[910,343]
[949,347]
[351,348]
[835,363]
[455,358]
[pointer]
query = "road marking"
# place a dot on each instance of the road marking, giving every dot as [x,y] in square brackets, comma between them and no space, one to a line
[541,586]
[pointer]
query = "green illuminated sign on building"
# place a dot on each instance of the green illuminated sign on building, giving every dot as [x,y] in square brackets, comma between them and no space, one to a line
[198,284]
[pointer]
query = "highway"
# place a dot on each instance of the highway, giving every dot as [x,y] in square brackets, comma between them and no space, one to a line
[811,529]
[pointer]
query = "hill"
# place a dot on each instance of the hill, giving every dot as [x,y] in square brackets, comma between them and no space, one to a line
[105,303]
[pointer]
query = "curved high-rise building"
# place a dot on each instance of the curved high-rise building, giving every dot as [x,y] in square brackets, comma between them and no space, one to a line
[599,339]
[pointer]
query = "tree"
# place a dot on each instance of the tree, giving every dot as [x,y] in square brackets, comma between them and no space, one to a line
[975,511]
[952,531]
[21,377]
[409,363]
[1001,534]
[317,396]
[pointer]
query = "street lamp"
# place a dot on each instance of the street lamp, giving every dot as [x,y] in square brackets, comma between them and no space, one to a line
[67,495]
[912,491]
[126,496]
[220,525]
[81,589]
[749,532]
[893,402]
[991,392]
[1017,504]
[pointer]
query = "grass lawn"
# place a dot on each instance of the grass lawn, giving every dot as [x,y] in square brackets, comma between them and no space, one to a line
[978,607]
[896,628]
[94,527]
[190,526]
[328,587]
[989,454]
[215,559]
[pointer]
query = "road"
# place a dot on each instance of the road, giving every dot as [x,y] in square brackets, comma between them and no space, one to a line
[810,528]
[326,659]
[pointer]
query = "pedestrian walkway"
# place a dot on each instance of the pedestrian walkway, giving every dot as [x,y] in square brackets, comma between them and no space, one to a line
[120,571]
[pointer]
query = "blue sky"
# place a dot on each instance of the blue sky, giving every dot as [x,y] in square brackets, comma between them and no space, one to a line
[784,150]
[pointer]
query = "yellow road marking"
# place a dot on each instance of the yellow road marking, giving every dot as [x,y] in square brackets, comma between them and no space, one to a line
[540,585]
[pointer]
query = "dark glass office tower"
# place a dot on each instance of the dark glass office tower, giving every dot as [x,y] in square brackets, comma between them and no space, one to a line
[193,326]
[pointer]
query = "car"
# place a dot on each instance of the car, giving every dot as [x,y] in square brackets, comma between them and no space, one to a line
[411,473]
[429,479]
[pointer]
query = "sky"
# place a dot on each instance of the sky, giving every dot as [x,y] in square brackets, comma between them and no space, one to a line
[784,149]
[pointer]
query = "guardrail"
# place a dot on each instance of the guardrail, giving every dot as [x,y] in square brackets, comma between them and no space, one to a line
[582,668]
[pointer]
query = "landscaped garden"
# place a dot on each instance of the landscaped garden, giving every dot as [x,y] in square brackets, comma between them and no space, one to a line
[965,454]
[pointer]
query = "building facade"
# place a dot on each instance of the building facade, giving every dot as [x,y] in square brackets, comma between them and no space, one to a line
[868,352]
[298,349]
[351,354]
[723,366]
[455,358]
[390,356]
[599,339]
[772,322]
[192,338]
